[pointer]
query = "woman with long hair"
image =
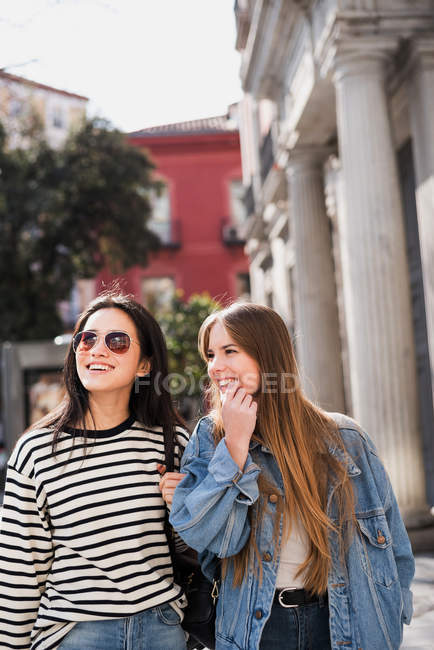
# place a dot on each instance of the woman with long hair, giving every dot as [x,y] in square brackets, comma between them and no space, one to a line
[85,563]
[289,504]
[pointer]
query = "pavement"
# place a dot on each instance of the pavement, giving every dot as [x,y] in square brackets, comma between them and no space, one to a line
[419,635]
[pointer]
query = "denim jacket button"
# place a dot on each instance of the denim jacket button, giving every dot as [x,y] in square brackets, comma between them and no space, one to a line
[258,614]
[267,557]
[273,498]
[380,537]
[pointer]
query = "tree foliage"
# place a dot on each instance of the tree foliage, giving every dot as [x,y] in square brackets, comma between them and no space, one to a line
[180,323]
[65,214]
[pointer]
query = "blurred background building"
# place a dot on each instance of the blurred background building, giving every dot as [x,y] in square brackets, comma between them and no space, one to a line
[337,142]
[23,100]
[198,215]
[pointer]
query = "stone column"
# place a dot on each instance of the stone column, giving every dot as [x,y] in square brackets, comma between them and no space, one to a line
[281,289]
[421,98]
[257,283]
[375,278]
[316,317]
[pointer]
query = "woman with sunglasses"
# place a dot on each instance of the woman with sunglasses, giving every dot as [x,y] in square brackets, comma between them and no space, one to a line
[292,502]
[84,560]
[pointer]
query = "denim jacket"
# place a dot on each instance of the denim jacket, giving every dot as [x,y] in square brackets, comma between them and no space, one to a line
[369,595]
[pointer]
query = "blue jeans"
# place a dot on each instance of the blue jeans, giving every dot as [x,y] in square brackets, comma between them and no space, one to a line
[305,627]
[154,629]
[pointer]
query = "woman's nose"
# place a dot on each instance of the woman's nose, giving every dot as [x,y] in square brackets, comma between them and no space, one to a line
[99,347]
[217,364]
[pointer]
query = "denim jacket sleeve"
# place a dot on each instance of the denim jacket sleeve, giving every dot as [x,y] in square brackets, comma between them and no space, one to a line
[210,504]
[403,554]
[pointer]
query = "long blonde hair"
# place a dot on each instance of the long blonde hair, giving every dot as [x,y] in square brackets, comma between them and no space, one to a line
[299,435]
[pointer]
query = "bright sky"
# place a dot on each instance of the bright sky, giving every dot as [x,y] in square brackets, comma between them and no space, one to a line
[140,62]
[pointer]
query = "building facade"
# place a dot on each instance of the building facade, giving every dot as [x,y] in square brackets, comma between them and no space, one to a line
[22,99]
[198,214]
[337,141]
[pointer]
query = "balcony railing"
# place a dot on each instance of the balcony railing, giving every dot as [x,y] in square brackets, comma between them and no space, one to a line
[175,240]
[169,232]
[230,235]
[266,155]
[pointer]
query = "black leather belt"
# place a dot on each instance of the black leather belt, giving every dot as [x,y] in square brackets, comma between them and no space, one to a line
[294,597]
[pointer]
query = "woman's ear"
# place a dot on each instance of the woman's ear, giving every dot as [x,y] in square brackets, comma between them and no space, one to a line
[144,368]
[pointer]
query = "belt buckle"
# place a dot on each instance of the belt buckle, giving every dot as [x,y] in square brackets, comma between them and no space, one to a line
[279,598]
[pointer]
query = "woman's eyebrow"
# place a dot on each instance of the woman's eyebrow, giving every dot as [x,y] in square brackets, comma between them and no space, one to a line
[223,347]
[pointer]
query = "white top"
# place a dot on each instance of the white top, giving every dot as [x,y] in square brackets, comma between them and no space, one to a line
[293,553]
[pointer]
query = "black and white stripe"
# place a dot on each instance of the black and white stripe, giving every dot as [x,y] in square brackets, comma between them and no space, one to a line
[82,532]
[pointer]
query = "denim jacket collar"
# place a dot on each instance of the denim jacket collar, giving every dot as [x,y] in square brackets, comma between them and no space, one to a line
[345,459]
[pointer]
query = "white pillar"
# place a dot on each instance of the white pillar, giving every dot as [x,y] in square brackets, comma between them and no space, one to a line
[281,289]
[257,283]
[375,278]
[316,317]
[421,98]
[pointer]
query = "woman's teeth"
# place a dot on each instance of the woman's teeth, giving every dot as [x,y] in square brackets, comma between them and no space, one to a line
[98,366]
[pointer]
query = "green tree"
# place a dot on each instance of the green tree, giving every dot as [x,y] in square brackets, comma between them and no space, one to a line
[180,323]
[65,214]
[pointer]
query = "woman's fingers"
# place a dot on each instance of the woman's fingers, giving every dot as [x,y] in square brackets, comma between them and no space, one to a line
[168,484]
[171,478]
[238,398]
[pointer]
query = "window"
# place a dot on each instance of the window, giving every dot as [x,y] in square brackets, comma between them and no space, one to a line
[16,107]
[243,286]
[58,118]
[160,221]
[238,209]
[157,293]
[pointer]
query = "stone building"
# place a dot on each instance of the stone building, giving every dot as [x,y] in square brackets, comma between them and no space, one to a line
[337,142]
[57,110]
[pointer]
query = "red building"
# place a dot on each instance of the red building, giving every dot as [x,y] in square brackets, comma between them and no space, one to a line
[197,215]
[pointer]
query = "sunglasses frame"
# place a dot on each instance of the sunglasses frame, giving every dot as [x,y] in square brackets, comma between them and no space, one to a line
[76,346]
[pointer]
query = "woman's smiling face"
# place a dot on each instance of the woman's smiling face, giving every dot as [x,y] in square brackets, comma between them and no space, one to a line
[227,362]
[101,370]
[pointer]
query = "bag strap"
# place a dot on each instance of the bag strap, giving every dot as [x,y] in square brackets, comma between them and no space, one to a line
[169,448]
[169,456]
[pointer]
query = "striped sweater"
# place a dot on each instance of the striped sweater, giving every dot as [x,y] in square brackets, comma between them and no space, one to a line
[82,532]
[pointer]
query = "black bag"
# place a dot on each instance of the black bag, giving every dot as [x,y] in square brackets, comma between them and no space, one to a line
[199,615]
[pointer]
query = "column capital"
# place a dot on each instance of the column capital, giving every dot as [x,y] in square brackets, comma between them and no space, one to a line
[422,53]
[307,158]
[357,55]
[361,63]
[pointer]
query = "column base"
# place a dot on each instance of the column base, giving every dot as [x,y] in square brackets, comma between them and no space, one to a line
[422,539]
[417,517]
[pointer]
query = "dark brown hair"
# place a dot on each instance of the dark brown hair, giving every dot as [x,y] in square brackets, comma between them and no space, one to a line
[150,404]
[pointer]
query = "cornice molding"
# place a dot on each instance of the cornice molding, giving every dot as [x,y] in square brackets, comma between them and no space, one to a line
[263,59]
[360,25]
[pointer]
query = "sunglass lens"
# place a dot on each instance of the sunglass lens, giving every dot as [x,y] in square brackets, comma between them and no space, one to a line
[117,342]
[84,340]
[88,340]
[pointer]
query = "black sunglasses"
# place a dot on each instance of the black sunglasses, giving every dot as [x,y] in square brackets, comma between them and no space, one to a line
[117,342]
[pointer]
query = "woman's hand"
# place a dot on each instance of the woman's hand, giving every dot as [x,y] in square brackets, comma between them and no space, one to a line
[239,420]
[168,482]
